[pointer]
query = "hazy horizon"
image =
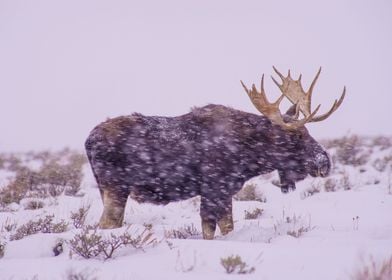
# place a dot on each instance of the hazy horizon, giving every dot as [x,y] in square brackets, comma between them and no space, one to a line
[67,66]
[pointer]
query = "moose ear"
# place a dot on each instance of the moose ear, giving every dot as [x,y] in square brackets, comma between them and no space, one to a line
[291,115]
[291,111]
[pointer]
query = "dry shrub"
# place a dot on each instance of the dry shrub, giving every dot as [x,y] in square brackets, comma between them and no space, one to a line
[345,182]
[2,249]
[183,232]
[293,225]
[332,184]
[45,225]
[8,226]
[85,274]
[248,193]
[34,205]
[79,218]
[89,243]
[235,265]
[298,232]
[375,271]
[255,214]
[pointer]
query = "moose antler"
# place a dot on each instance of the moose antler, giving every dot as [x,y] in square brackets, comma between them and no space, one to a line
[271,110]
[294,92]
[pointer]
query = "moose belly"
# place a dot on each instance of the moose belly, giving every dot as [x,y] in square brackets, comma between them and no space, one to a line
[162,194]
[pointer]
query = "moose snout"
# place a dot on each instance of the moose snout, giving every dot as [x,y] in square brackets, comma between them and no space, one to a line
[323,171]
[323,165]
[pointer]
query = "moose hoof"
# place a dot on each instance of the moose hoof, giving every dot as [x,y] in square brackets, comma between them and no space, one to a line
[226,224]
[108,224]
[286,189]
[208,229]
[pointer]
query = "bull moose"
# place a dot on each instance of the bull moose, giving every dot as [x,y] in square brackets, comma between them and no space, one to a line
[209,152]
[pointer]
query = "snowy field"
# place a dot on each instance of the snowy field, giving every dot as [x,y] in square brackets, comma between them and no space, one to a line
[339,227]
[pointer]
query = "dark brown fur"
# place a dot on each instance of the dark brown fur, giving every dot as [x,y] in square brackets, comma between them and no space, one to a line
[210,152]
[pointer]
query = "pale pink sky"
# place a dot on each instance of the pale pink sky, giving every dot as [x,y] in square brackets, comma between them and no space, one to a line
[65,66]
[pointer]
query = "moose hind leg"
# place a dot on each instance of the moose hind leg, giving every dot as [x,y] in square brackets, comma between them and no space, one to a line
[225,221]
[113,209]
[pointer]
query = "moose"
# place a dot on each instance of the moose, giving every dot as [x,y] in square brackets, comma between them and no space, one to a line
[209,152]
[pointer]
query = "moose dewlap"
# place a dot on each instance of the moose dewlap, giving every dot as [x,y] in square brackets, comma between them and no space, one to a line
[210,152]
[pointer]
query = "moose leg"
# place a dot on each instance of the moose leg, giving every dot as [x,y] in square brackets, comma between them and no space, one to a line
[286,183]
[225,222]
[216,211]
[113,209]
[208,219]
[208,228]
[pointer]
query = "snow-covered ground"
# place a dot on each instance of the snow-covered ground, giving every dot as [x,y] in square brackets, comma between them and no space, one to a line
[326,229]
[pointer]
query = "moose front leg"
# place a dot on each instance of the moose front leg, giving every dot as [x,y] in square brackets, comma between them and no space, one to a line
[208,219]
[286,183]
[213,212]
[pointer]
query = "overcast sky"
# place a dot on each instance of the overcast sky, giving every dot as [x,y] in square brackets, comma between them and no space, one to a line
[65,66]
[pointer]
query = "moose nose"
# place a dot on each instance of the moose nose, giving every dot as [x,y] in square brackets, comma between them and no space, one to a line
[323,171]
[322,164]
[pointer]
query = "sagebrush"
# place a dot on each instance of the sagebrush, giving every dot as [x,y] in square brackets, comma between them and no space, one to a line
[91,243]
[42,225]
[235,265]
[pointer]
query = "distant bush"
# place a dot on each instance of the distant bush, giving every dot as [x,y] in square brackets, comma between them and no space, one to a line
[15,191]
[12,163]
[58,173]
[345,182]
[55,179]
[382,142]
[2,162]
[89,243]
[350,151]
[45,225]
[183,232]
[235,265]
[382,164]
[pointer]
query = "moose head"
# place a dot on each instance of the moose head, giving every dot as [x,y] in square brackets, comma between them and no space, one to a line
[297,153]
